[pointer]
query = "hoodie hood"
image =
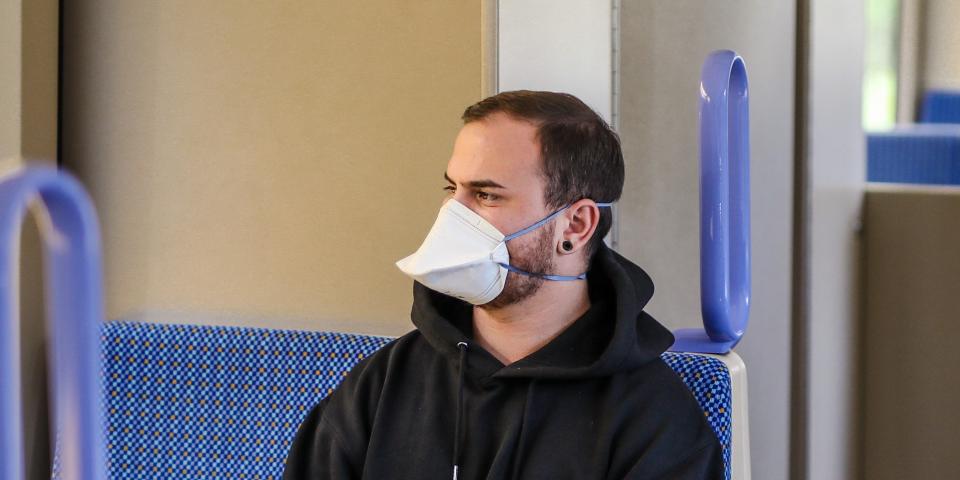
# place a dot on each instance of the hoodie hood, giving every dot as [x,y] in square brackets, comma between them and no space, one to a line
[614,335]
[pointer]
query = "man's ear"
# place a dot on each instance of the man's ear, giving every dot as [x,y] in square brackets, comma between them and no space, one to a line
[583,216]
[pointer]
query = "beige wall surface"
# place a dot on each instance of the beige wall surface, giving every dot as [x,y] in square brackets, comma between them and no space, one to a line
[10,73]
[911,389]
[941,44]
[663,47]
[28,133]
[265,163]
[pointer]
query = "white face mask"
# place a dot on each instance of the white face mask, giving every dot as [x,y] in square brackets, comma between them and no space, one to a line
[466,257]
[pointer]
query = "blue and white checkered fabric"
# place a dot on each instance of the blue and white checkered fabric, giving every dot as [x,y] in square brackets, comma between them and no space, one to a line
[197,402]
[215,402]
[709,380]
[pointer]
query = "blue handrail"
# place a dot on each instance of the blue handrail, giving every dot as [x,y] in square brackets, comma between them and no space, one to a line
[71,240]
[724,207]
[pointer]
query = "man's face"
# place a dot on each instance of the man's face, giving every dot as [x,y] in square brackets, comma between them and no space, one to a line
[495,170]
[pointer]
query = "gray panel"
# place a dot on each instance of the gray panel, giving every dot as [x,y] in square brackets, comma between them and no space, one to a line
[663,46]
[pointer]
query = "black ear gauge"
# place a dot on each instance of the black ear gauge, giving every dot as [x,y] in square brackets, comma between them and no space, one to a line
[567,245]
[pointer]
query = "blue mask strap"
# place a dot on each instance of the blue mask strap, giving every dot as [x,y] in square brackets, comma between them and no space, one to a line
[542,222]
[556,278]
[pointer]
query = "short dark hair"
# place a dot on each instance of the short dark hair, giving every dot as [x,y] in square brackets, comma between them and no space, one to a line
[581,153]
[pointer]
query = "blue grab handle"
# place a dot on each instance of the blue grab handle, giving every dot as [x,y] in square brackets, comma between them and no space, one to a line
[73,276]
[724,207]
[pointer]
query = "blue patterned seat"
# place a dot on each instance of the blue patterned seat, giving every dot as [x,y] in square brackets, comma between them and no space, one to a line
[194,402]
[941,106]
[920,154]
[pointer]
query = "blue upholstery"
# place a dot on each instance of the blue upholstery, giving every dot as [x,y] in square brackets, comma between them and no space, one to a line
[224,402]
[941,106]
[709,380]
[924,154]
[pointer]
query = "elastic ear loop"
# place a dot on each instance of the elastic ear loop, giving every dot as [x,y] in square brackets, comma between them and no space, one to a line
[558,278]
[545,220]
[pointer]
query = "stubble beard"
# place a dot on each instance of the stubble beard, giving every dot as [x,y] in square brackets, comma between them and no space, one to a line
[535,257]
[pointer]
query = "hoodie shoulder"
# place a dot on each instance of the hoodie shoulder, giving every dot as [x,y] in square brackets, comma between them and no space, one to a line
[370,372]
[350,409]
[669,425]
[363,384]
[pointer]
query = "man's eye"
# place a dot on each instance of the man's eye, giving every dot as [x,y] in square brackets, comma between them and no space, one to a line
[450,188]
[486,196]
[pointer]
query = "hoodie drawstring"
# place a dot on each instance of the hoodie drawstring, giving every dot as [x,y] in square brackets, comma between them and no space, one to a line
[456,431]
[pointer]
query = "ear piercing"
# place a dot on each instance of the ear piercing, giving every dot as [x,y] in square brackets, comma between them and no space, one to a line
[567,245]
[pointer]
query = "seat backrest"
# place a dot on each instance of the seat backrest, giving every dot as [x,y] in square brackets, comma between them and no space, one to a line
[186,401]
[921,154]
[710,381]
[941,106]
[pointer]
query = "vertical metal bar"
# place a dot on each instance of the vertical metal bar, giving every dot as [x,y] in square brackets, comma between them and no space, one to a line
[724,197]
[615,8]
[71,239]
[800,295]
[489,47]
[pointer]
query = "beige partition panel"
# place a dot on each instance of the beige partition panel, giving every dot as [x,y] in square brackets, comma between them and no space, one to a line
[28,133]
[265,163]
[911,332]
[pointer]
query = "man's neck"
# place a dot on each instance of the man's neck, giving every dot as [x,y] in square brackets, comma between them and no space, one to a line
[515,331]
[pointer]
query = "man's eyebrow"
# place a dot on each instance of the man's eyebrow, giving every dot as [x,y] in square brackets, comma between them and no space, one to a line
[485,183]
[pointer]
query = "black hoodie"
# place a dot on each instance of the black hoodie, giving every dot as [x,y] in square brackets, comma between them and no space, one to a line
[597,402]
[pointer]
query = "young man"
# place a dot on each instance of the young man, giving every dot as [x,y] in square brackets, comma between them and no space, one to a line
[533,357]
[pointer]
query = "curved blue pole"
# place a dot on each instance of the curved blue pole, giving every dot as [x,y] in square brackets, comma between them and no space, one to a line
[724,207]
[73,275]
